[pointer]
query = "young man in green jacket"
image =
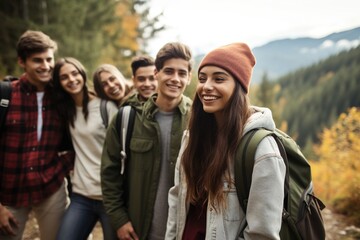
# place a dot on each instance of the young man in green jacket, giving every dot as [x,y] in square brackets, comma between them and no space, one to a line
[143,78]
[136,201]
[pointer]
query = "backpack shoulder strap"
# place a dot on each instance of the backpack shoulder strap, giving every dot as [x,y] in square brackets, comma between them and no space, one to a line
[103,112]
[125,124]
[244,163]
[5,96]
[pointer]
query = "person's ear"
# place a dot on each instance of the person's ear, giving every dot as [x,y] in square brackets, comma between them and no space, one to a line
[155,73]
[21,62]
[189,80]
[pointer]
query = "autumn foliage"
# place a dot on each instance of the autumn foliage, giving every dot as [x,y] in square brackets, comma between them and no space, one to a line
[336,175]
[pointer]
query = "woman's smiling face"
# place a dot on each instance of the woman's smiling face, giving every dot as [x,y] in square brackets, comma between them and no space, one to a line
[70,79]
[113,87]
[215,88]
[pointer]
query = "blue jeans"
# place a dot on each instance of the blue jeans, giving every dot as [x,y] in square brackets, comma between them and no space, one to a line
[80,219]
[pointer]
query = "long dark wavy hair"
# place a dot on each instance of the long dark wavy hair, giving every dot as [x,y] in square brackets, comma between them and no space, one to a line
[210,150]
[65,103]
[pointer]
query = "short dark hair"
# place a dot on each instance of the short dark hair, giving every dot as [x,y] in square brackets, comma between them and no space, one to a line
[141,61]
[173,50]
[34,42]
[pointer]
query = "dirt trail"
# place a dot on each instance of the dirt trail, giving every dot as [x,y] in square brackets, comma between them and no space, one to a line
[335,225]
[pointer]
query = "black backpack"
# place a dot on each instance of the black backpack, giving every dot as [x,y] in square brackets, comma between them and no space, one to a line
[5,97]
[302,218]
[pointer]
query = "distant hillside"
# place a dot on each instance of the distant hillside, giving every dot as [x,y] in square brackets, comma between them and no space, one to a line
[279,57]
[312,98]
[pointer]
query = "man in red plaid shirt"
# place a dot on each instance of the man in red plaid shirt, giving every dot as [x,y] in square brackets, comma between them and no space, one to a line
[33,160]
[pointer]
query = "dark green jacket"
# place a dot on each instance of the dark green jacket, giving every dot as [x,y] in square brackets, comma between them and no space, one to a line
[131,197]
[134,101]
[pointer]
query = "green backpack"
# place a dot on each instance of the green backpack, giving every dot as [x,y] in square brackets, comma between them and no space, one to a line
[301,218]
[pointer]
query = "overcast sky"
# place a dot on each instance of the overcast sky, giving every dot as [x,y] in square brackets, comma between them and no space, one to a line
[206,24]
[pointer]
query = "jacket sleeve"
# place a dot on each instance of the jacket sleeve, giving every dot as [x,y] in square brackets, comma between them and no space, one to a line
[173,197]
[265,204]
[112,182]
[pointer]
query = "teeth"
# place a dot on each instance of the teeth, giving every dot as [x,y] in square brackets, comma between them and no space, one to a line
[44,74]
[173,86]
[209,97]
[72,85]
[115,91]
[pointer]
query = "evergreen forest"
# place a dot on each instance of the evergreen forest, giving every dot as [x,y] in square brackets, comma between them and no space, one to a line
[92,31]
[306,101]
[319,106]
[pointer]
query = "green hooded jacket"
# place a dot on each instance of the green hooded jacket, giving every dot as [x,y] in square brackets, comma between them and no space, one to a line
[133,101]
[131,196]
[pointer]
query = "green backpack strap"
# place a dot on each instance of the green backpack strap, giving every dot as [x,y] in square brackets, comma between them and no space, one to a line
[244,163]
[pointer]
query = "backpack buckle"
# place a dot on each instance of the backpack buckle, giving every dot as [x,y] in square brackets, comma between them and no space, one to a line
[285,214]
[4,103]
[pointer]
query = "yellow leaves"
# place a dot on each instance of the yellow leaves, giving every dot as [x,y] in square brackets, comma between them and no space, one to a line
[129,25]
[343,138]
[123,37]
[283,126]
[336,174]
[121,8]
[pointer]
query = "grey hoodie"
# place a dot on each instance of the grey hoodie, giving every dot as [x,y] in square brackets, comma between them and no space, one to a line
[264,210]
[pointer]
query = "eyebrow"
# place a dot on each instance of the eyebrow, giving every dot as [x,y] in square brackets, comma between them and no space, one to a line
[143,75]
[41,59]
[107,79]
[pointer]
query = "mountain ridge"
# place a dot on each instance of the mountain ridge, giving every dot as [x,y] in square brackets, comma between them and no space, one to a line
[279,57]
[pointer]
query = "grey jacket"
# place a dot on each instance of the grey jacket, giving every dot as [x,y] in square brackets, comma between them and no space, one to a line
[265,205]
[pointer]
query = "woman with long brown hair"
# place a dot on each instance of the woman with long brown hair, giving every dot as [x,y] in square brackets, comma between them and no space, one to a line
[204,204]
[110,84]
[81,110]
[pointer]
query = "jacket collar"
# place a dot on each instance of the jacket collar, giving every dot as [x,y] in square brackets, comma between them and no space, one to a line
[26,86]
[150,107]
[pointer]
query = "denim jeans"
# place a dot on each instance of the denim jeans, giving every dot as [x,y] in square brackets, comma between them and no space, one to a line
[80,219]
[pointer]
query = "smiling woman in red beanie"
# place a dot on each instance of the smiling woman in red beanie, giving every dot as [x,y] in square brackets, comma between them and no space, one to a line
[204,204]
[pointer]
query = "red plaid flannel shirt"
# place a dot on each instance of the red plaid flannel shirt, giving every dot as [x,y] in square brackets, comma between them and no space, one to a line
[31,170]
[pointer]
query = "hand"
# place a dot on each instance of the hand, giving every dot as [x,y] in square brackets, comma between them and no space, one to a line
[126,232]
[7,220]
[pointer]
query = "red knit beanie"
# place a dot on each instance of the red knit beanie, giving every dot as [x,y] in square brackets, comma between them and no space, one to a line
[235,58]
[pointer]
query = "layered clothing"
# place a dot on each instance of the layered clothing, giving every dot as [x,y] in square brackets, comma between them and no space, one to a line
[263,216]
[33,161]
[131,196]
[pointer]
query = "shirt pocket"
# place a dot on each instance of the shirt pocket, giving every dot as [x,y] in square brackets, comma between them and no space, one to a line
[15,123]
[232,211]
[141,153]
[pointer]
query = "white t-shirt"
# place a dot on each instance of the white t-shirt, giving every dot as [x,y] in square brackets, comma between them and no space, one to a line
[88,138]
[40,96]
